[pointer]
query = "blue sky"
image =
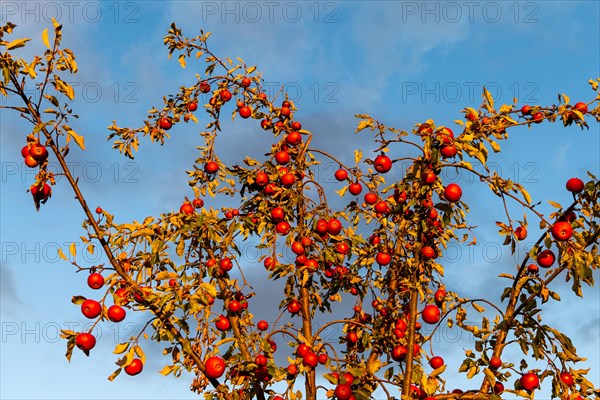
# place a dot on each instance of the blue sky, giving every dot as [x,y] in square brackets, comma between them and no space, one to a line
[401,61]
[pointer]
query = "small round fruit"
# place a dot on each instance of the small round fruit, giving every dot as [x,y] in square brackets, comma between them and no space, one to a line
[431,314]
[323,357]
[429,177]
[204,87]
[38,152]
[530,381]
[198,203]
[283,228]
[521,233]
[282,157]
[225,95]
[91,308]
[537,117]
[246,82]
[287,180]
[495,362]
[225,264]
[310,359]
[436,362]
[31,162]
[116,313]
[546,258]
[261,360]
[399,353]
[192,106]
[343,391]
[262,325]
[135,367]
[448,151]
[211,167]
[498,388]
[186,208]
[581,107]
[292,369]
[25,151]
[341,174]
[234,306]
[85,341]
[428,252]
[95,281]
[566,378]
[40,194]
[383,258]
[294,307]
[575,185]
[439,296]
[296,125]
[334,226]
[526,109]
[294,138]
[371,198]
[165,123]
[533,268]
[99,210]
[452,193]
[245,112]
[562,231]
[355,188]
[382,163]
[223,323]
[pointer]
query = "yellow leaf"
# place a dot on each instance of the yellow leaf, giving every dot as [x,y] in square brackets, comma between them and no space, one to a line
[478,307]
[45,38]
[488,97]
[73,249]
[182,61]
[357,156]
[251,69]
[167,369]
[61,254]
[566,98]
[78,139]
[90,248]
[15,44]
[162,275]
[120,348]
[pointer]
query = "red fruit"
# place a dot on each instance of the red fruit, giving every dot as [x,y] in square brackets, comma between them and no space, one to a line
[382,207]
[95,280]
[277,214]
[116,313]
[382,163]
[343,391]
[445,135]
[566,378]
[197,203]
[452,193]
[262,325]
[192,106]
[266,124]
[246,82]
[521,233]
[135,367]
[25,151]
[439,296]
[172,282]
[429,177]
[371,198]
[282,157]
[225,264]
[383,258]
[342,248]
[204,87]
[351,337]
[348,378]
[234,306]
[448,151]
[297,248]
[546,258]
[533,268]
[269,263]
[302,349]
[165,123]
[561,231]
[310,359]
[581,107]
[428,252]
[575,185]
[91,308]
[355,188]
[245,111]
[186,208]
[120,296]
[283,228]
[323,357]
[225,95]
[334,226]
[292,369]
[38,152]
[537,117]
[495,362]
[288,179]
[30,162]
[341,174]
[145,291]
[294,307]
[530,381]
[399,353]
[99,210]
[296,125]
[260,360]
[211,167]
[374,239]
[285,111]
[498,388]
[431,314]
[525,110]
[436,362]
[85,341]
[214,367]
[294,138]
[425,129]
